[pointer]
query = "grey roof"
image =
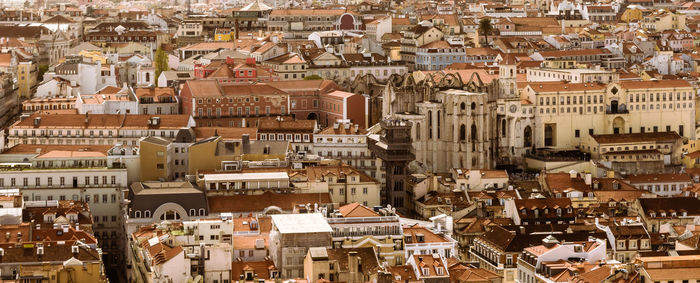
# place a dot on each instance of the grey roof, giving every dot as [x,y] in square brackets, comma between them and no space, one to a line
[83,46]
[185,136]
[151,195]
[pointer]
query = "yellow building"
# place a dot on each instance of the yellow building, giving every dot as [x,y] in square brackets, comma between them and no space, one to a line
[91,56]
[223,34]
[210,154]
[664,20]
[54,264]
[344,183]
[154,155]
[568,112]
[342,265]
[631,15]
[27,73]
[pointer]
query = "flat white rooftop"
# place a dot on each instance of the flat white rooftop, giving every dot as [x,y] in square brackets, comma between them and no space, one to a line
[301,223]
[246,176]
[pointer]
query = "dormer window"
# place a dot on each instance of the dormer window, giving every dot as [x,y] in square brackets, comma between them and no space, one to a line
[439,271]
[426,271]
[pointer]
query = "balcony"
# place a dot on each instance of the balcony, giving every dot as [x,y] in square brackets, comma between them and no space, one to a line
[614,108]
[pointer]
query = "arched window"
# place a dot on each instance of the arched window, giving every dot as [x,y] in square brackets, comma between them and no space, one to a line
[473,133]
[201,212]
[473,105]
[462,132]
[193,212]
[147,214]
[137,214]
[417,131]
[463,106]
[430,124]
[148,77]
[438,124]
[170,215]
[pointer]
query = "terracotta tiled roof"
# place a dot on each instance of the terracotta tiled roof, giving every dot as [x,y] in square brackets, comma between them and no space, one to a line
[104,121]
[636,137]
[428,236]
[356,210]
[255,203]
[546,87]
[659,178]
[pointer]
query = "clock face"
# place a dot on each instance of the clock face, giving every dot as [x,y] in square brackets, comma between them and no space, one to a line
[513,108]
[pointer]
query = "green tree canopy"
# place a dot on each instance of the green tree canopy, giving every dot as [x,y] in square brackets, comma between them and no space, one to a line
[160,61]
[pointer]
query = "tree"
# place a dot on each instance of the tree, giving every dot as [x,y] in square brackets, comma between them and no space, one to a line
[41,71]
[485,28]
[160,61]
[313,77]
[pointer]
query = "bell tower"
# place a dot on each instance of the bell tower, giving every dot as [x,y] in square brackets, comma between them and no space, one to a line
[507,77]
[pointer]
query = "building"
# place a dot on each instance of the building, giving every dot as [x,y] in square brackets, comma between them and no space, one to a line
[300,23]
[340,106]
[44,261]
[437,55]
[545,263]
[655,212]
[346,142]
[108,100]
[429,268]
[538,211]
[73,172]
[88,77]
[291,237]
[358,226]
[420,35]
[156,256]
[111,129]
[630,239]
[341,265]
[208,101]
[662,184]
[419,240]
[635,153]
[151,202]
[393,148]
[8,96]
[669,268]
[615,108]
[299,133]
[157,100]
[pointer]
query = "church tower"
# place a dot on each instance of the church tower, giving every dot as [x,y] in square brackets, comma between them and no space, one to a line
[507,77]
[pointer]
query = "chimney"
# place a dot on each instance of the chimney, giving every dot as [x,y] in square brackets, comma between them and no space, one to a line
[587,178]
[357,128]
[245,141]
[549,241]
[87,118]
[353,262]
[573,174]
